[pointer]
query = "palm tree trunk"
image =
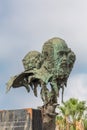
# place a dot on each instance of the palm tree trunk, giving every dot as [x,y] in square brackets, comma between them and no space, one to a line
[67,123]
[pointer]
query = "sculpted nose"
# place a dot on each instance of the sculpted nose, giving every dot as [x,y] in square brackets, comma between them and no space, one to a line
[64,57]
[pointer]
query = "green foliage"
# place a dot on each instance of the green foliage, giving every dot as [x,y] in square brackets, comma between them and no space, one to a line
[85,124]
[73,110]
[85,121]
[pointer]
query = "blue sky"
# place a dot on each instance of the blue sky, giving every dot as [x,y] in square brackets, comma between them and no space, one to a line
[24,26]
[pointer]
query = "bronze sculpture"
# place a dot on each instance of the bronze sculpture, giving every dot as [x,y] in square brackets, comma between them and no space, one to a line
[52,66]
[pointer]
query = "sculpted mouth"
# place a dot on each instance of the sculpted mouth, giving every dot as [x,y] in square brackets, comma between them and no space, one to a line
[63,64]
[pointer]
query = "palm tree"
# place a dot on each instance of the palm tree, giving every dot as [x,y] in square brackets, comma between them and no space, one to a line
[72,110]
[60,124]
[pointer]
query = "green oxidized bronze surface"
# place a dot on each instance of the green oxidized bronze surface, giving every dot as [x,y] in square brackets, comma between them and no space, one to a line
[52,66]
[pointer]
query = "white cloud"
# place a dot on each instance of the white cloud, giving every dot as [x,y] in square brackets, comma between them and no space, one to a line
[77,87]
[31,22]
[26,24]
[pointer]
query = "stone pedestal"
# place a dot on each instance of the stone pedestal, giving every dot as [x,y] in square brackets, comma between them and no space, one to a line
[48,116]
[21,119]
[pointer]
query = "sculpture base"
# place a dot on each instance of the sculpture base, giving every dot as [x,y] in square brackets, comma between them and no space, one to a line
[49,126]
[21,119]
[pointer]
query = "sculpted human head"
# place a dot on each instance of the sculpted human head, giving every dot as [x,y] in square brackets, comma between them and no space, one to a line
[32,60]
[58,57]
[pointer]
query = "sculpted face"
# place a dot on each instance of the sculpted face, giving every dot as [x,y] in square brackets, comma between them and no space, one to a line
[32,60]
[58,57]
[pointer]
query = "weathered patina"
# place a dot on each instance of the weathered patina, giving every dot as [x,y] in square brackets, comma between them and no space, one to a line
[50,70]
[52,66]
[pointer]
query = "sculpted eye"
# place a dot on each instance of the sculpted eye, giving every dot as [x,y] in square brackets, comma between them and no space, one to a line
[60,53]
[45,54]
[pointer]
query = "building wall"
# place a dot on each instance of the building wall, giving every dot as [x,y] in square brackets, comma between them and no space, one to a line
[21,119]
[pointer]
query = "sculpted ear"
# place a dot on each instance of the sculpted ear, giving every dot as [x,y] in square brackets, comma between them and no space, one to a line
[71,59]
